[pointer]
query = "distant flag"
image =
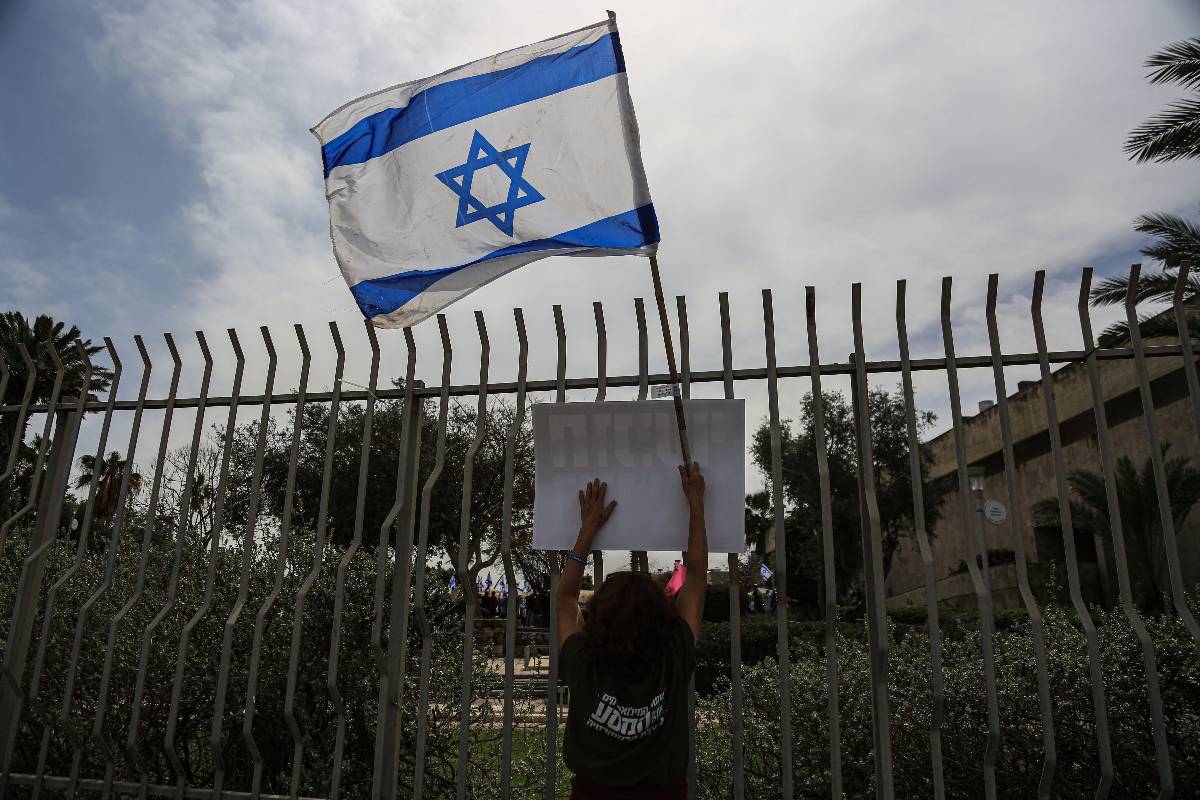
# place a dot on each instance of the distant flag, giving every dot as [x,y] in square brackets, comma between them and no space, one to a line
[765,571]
[677,578]
[453,583]
[438,186]
[502,585]
[487,584]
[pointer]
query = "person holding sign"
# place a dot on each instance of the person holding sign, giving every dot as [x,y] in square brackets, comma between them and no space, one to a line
[629,664]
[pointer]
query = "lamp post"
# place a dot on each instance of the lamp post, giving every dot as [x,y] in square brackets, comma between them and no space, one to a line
[975,476]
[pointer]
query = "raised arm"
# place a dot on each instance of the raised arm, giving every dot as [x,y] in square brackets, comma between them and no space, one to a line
[690,600]
[593,513]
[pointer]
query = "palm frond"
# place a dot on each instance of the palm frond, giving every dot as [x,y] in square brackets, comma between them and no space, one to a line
[1152,286]
[1046,514]
[1169,135]
[1178,62]
[1179,239]
[1151,326]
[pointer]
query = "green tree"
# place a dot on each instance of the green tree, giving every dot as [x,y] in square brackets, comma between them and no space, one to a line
[801,486]
[1174,132]
[759,519]
[1170,135]
[37,336]
[1140,520]
[108,487]
[487,491]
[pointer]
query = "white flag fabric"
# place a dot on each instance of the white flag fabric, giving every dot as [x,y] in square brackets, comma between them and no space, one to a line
[765,571]
[439,186]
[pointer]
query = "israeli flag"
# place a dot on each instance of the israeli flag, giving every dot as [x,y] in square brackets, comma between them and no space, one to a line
[453,583]
[487,584]
[765,571]
[439,186]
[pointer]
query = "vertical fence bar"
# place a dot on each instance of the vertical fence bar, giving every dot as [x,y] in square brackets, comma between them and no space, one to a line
[601,388]
[50,512]
[876,604]
[218,728]
[829,570]
[983,600]
[462,565]
[110,560]
[1158,727]
[685,388]
[685,357]
[211,578]
[781,606]
[339,591]
[439,460]
[42,449]
[639,560]
[102,702]
[176,564]
[29,583]
[917,476]
[281,563]
[735,601]
[551,784]
[1166,517]
[19,424]
[510,628]
[386,726]
[5,374]
[1185,342]
[1011,479]
[639,309]
[1095,664]
[60,722]
[392,712]
[289,699]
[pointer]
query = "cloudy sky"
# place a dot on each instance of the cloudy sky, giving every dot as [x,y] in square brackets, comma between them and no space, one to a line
[157,172]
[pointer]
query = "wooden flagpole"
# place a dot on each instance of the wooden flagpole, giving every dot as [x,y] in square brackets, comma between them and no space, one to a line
[676,391]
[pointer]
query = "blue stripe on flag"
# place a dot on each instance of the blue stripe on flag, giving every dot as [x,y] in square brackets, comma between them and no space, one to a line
[632,229]
[455,102]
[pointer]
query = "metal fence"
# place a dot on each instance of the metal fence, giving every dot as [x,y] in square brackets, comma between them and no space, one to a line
[132,728]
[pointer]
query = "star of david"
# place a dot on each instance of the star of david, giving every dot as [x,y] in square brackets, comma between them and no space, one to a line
[520,191]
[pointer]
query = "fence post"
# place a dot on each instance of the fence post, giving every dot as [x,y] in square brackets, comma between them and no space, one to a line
[29,586]
[388,770]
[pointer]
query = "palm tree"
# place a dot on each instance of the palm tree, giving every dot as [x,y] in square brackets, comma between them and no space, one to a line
[16,329]
[1140,521]
[1174,132]
[109,487]
[1170,135]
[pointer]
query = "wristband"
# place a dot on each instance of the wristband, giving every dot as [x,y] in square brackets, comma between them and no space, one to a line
[573,556]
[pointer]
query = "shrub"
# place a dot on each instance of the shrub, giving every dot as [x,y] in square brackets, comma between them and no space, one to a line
[358,678]
[1020,756]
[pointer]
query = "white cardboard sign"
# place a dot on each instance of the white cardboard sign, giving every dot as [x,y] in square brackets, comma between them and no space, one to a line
[634,447]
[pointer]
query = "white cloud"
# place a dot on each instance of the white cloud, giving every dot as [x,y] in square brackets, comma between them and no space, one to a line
[786,144]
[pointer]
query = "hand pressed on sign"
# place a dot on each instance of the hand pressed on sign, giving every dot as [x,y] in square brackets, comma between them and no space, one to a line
[592,511]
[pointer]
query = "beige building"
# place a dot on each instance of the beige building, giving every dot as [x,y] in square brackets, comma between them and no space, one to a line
[1036,481]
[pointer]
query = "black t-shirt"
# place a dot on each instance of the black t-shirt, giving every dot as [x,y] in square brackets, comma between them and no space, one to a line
[629,732]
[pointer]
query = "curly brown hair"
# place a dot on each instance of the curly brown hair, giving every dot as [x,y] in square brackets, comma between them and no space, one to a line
[628,622]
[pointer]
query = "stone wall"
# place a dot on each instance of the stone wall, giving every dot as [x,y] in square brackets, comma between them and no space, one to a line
[1036,477]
